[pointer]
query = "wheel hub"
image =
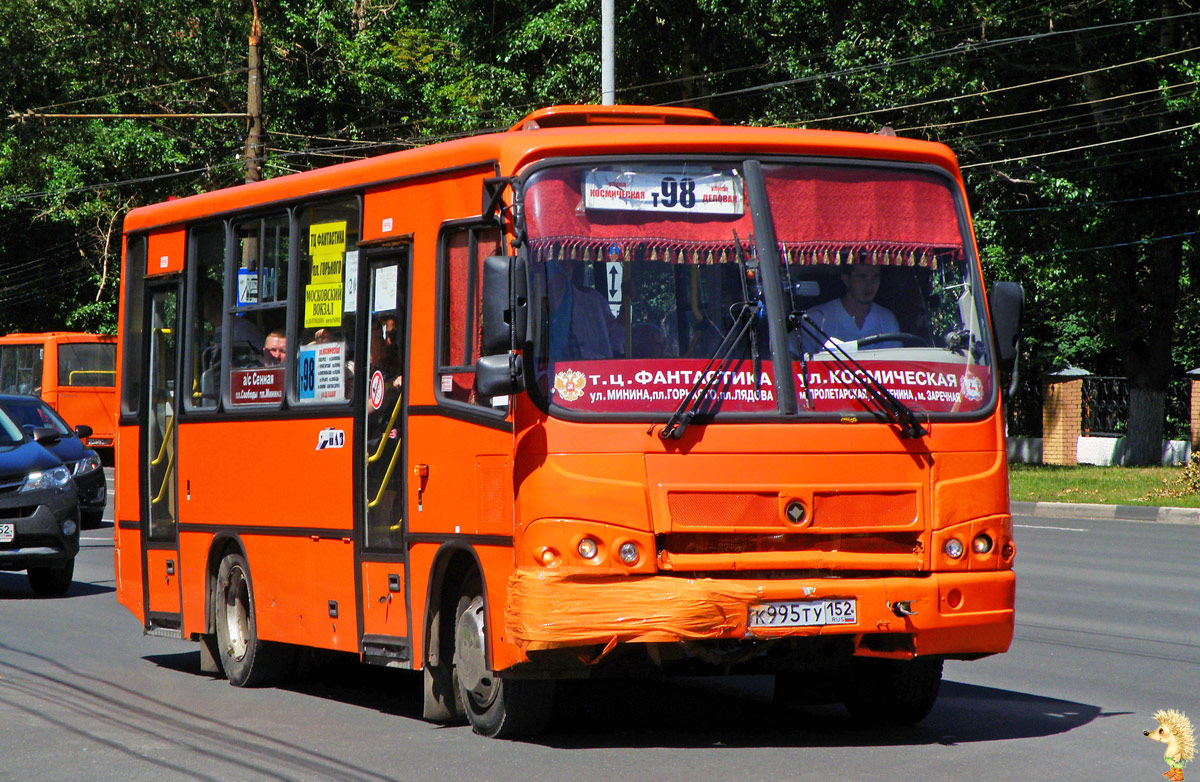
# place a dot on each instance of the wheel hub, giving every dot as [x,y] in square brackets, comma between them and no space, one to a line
[470,655]
[237,601]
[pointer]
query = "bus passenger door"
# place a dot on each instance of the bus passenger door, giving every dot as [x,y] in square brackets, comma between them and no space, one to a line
[160,533]
[382,458]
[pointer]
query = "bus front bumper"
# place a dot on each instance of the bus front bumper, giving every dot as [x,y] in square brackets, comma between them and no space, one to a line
[945,614]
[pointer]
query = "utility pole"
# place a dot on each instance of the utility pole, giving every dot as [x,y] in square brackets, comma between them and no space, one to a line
[608,92]
[253,154]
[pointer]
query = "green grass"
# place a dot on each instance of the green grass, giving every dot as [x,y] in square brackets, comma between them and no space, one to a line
[1104,485]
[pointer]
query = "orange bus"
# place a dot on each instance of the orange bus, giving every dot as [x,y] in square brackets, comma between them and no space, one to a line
[75,373]
[571,400]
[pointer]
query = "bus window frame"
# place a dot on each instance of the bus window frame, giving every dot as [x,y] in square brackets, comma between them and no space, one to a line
[484,414]
[296,294]
[970,259]
[132,314]
[232,309]
[193,298]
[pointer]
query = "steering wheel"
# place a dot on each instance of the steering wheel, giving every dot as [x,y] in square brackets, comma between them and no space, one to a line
[895,336]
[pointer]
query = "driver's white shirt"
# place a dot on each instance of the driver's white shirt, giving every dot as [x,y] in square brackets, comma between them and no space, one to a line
[832,318]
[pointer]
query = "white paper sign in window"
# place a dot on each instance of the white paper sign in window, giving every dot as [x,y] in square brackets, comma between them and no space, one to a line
[664,190]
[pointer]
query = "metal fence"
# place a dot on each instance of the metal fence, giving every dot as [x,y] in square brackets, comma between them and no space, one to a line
[1023,409]
[1105,408]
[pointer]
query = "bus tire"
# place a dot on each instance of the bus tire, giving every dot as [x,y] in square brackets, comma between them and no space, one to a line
[495,707]
[246,660]
[53,580]
[891,693]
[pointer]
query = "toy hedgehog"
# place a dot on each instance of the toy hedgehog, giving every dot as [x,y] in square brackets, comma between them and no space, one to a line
[1175,731]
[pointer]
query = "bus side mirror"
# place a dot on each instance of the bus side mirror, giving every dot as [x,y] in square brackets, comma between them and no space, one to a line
[499,375]
[1007,304]
[505,304]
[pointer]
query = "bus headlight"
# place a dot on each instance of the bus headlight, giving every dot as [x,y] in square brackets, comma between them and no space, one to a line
[953,548]
[587,548]
[628,553]
[982,544]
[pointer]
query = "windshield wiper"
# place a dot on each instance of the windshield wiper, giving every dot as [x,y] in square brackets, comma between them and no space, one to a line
[895,410]
[748,279]
[707,378]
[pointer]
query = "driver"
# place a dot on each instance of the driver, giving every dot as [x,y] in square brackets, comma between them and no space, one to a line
[855,315]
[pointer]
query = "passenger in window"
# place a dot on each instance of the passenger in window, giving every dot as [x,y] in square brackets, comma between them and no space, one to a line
[580,321]
[649,340]
[247,340]
[855,315]
[274,349]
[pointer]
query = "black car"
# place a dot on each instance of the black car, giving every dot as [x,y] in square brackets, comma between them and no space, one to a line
[31,413]
[39,510]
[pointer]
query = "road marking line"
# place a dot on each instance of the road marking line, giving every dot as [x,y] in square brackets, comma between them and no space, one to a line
[1039,526]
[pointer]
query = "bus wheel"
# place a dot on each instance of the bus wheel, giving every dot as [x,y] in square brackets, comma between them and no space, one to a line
[496,707]
[246,660]
[893,692]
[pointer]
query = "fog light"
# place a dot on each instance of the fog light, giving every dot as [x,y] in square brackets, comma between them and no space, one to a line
[628,552]
[953,548]
[982,544]
[547,556]
[69,527]
[587,548]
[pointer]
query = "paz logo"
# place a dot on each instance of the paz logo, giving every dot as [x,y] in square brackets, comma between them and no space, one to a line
[971,387]
[569,384]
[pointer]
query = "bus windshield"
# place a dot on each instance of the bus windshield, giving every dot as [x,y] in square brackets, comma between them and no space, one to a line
[647,289]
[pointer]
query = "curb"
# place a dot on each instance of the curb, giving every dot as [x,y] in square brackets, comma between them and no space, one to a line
[1064,510]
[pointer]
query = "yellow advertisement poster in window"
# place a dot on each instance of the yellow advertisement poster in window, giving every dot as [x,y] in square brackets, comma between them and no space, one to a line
[323,293]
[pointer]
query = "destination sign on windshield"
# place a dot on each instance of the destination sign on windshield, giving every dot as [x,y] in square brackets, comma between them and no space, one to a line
[664,190]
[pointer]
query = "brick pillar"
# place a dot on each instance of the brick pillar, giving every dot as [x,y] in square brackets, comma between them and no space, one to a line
[1195,409]
[1062,416]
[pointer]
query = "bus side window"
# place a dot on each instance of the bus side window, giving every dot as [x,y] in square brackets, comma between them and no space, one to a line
[257,317]
[327,245]
[132,367]
[203,364]
[462,252]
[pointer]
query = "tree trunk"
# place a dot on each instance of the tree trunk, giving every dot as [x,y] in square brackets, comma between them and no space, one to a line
[1144,441]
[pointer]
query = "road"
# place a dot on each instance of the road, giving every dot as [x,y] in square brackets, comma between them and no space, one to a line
[1108,631]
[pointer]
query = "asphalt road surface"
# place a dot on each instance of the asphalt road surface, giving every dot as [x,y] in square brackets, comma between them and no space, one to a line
[1108,631]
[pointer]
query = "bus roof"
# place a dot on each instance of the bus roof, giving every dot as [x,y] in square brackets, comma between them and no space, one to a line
[57,336]
[556,131]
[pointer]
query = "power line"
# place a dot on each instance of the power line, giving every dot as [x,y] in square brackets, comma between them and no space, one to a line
[1077,204]
[137,89]
[983,93]
[993,118]
[1083,146]
[1134,243]
[929,56]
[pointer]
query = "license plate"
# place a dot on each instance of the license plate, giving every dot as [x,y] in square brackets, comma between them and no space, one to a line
[7,533]
[804,613]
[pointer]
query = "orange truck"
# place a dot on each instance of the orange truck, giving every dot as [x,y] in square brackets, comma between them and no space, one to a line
[618,390]
[75,373]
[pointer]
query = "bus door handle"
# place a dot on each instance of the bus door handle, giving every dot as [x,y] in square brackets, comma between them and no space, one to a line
[383,439]
[166,439]
[162,490]
[387,476]
[421,473]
